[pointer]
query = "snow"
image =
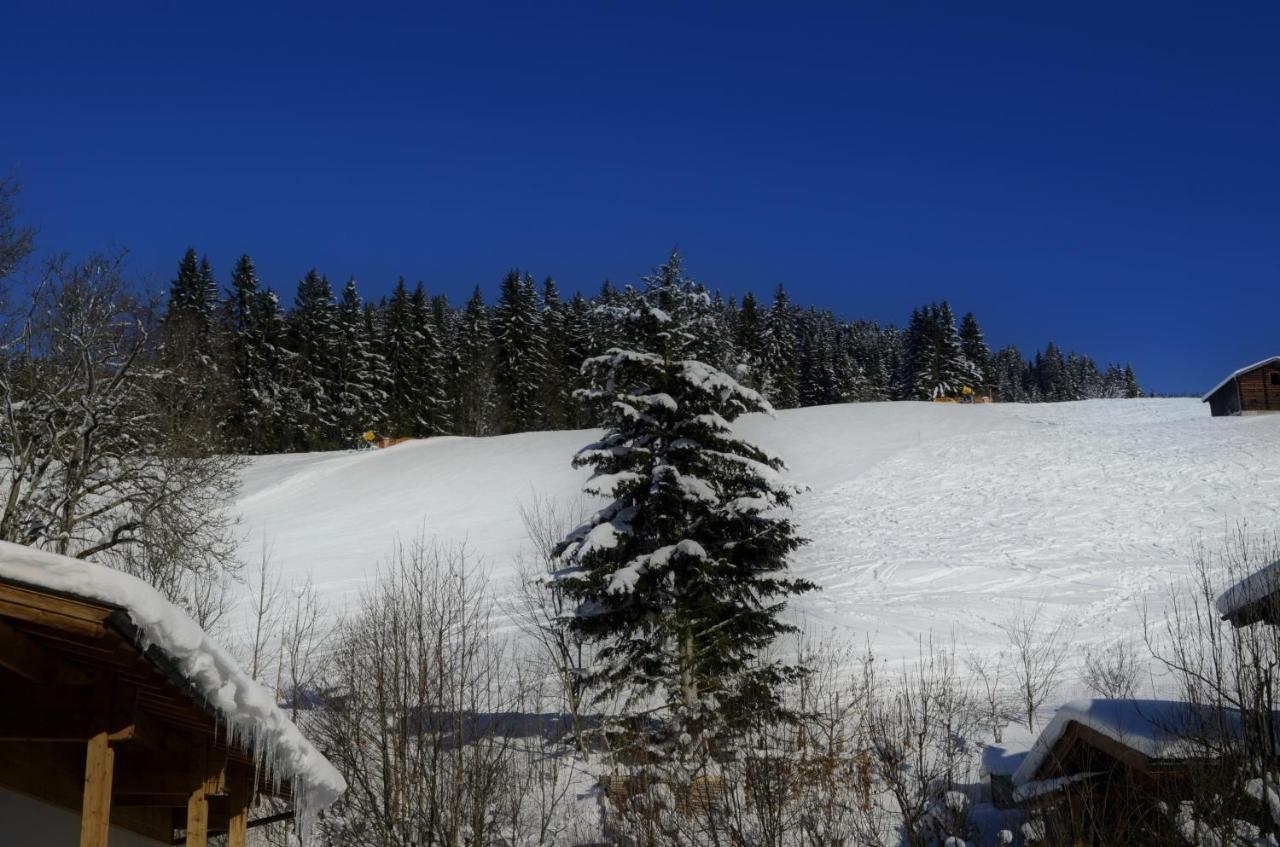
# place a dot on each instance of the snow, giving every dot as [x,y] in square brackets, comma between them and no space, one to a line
[1152,727]
[1256,586]
[1235,374]
[923,517]
[249,710]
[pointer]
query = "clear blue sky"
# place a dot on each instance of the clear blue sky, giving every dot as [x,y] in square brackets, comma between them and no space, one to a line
[1102,175]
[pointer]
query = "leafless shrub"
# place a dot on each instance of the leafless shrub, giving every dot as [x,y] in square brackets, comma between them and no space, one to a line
[443,739]
[992,680]
[1227,676]
[1114,671]
[1038,651]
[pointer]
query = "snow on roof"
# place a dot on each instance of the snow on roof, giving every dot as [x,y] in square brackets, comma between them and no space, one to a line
[1148,726]
[1235,374]
[1002,758]
[1253,588]
[250,711]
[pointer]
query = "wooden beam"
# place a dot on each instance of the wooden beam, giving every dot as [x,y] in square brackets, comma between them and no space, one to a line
[28,659]
[58,713]
[241,797]
[99,767]
[209,772]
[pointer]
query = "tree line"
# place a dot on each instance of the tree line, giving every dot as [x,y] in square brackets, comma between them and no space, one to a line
[331,365]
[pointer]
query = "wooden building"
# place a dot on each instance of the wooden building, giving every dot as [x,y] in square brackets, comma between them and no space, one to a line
[102,735]
[1103,771]
[1252,390]
[1254,598]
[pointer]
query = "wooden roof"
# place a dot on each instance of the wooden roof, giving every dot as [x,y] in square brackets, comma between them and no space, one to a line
[61,658]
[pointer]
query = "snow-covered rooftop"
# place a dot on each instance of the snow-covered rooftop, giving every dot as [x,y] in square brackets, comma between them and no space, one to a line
[1151,727]
[1235,374]
[249,710]
[1255,587]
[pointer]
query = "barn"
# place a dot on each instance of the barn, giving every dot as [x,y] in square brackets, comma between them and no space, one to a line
[1252,390]
[120,719]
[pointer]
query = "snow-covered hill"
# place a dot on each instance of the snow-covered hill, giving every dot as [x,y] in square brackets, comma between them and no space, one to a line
[924,518]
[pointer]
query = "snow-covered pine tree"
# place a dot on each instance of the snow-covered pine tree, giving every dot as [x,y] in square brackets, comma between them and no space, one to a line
[473,393]
[315,339]
[749,368]
[360,399]
[781,352]
[974,345]
[1011,377]
[560,368]
[577,332]
[1131,388]
[429,400]
[519,354]
[681,581]
[190,300]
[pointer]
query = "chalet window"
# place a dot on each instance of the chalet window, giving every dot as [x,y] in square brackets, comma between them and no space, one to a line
[1275,377]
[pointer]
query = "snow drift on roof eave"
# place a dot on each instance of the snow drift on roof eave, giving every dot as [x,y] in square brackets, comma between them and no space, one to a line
[1254,587]
[1234,374]
[249,709]
[1148,726]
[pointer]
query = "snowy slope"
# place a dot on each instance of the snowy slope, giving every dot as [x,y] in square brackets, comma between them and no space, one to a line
[924,518]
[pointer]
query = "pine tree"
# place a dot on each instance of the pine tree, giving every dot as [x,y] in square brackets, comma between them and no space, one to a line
[976,351]
[429,401]
[681,580]
[781,352]
[473,393]
[519,355]
[749,342]
[559,368]
[360,399]
[315,339]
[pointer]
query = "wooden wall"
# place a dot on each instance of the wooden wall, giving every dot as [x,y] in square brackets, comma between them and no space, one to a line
[1260,389]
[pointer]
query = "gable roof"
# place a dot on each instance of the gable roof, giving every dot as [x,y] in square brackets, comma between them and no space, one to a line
[249,713]
[1231,376]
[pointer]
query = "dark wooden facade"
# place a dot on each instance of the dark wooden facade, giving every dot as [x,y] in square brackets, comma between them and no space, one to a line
[1109,792]
[1249,391]
[92,723]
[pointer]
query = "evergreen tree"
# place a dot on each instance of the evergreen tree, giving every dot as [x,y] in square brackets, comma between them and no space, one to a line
[781,352]
[559,367]
[473,393]
[750,366]
[976,351]
[519,355]
[315,339]
[681,580]
[360,398]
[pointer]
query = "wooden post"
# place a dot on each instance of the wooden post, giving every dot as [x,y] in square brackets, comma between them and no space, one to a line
[198,802]
[241,791]
[99,767]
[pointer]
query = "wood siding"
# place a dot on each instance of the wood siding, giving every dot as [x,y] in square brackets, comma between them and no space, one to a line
[1260,389]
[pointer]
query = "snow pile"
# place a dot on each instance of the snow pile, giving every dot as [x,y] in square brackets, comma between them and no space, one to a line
[1158,729]
[251,714]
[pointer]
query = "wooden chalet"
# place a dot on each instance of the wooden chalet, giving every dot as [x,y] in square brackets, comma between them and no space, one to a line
[101,735]
[1252,390]
[1095,781]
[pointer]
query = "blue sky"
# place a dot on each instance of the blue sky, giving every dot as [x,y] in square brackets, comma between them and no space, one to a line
[1099,175]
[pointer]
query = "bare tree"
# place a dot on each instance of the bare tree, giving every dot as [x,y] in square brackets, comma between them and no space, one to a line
[1038,651]
[16,241]
[439,734]
[93,463]
[993,676]
[1113,671]
[1228,677]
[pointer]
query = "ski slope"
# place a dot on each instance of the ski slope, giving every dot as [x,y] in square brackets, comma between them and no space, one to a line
[924,519]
